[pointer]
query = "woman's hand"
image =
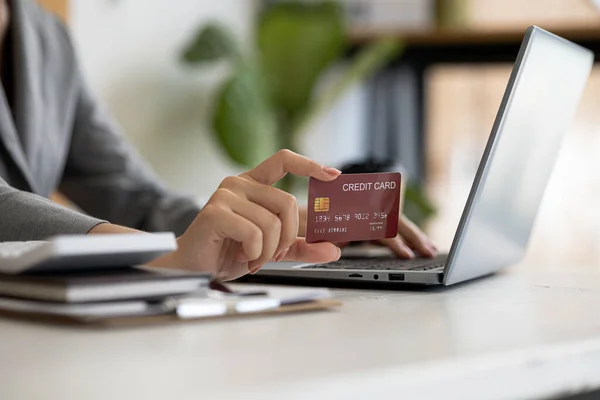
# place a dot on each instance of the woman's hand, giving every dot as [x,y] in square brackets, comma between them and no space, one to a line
[410,239]
[247,223]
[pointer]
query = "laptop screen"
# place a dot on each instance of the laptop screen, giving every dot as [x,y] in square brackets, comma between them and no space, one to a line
[537,109]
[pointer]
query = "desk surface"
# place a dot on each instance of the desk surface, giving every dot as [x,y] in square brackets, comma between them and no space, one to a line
[525,332]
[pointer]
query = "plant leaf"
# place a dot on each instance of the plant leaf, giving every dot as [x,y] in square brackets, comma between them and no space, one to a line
[244,121]
[298,41]
[417,206]
[211,43]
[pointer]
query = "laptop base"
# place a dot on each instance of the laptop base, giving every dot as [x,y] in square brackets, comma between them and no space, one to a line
[422,271]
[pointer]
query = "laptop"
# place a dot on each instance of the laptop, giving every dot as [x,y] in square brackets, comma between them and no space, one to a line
[538,106]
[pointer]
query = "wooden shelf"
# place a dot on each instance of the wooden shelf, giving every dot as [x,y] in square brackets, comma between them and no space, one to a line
[470,36]
[470,45]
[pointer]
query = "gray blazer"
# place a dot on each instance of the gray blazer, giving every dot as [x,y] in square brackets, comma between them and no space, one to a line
[60,138]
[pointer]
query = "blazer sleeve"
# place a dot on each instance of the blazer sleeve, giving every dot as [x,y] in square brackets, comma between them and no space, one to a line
[27,216]
[106,177]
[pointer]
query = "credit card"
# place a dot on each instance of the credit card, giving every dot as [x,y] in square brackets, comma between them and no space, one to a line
[353,207]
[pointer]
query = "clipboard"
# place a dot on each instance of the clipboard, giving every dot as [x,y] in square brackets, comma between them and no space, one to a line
[170,317]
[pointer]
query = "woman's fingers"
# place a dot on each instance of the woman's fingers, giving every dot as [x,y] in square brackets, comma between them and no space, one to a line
[268,223]
[278,202]
[268,216]
[309,252]
[399,247]
[229,225]
[415,237]
[285,161]
[312,252]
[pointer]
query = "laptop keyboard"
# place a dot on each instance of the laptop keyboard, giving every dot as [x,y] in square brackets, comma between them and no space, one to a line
[385,264]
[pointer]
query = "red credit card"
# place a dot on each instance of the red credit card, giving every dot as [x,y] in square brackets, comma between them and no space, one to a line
[353,207]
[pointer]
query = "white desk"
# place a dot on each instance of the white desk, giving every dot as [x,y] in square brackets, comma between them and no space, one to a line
[521,333]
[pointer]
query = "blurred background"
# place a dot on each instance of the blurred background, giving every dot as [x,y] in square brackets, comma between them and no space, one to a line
[206,89]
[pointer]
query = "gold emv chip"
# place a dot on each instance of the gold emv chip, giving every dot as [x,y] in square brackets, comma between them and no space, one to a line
[321,204]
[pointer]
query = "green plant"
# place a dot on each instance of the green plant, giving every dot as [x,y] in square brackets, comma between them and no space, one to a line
[417,206]
[269,98]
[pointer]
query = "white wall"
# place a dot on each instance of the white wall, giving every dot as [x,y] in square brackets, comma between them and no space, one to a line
[129,52]
[337,137]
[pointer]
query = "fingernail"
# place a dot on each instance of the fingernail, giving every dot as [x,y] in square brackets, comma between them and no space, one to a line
[255,270]
[432,250]
[426,251]
[409,253]
[282,254]
[339,253]
[331,171]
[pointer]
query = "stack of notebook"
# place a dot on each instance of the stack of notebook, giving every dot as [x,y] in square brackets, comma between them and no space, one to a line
[107,293]
[89,279]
